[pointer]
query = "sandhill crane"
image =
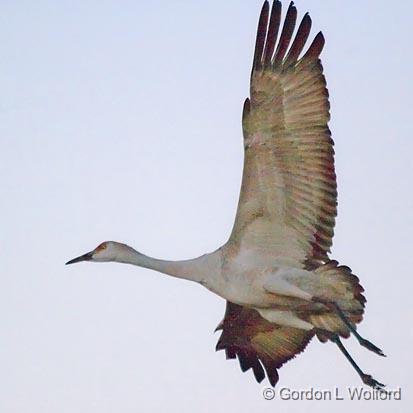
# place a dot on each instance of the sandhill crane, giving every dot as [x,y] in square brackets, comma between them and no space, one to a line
[274,271]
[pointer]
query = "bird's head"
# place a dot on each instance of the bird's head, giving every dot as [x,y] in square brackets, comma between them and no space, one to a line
[104,252]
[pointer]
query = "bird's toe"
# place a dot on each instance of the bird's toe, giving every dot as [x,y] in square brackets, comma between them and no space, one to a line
[369,381]
[370,346]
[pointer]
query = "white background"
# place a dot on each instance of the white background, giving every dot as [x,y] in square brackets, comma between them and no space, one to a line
[121,120]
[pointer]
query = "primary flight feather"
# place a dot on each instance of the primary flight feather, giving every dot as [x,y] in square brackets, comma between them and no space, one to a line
[280,285]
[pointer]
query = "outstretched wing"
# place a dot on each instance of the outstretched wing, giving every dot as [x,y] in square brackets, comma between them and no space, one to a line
[287,205]
[259,344]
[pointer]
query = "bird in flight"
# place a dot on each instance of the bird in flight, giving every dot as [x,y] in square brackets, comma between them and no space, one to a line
[281,287]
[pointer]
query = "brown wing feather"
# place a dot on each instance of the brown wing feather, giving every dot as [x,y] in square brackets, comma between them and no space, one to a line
[272,34]
[287,205]
[286,34]
[300,39]
[261,36]
[257,343]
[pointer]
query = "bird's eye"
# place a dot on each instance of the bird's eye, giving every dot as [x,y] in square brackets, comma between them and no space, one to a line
[101,247]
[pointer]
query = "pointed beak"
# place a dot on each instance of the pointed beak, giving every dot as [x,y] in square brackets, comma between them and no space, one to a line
[84,257]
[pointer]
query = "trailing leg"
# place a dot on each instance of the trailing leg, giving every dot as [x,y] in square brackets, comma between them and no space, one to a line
[336,309]
[366,378]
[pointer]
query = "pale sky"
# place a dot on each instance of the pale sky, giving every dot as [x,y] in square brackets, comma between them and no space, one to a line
[121,120]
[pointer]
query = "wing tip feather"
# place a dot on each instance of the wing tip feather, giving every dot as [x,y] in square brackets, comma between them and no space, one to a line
[267,32]
[242,338]
[316,47]
[261,35]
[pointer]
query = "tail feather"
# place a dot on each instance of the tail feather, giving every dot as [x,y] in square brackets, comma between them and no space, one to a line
[344,288]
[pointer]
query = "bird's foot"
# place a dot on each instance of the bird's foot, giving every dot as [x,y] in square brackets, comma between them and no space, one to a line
[370,346]
[369,381]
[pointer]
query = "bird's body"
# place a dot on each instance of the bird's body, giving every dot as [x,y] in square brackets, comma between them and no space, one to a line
[280,285]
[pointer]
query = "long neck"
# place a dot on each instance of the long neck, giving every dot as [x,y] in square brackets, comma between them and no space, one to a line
[197,269]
